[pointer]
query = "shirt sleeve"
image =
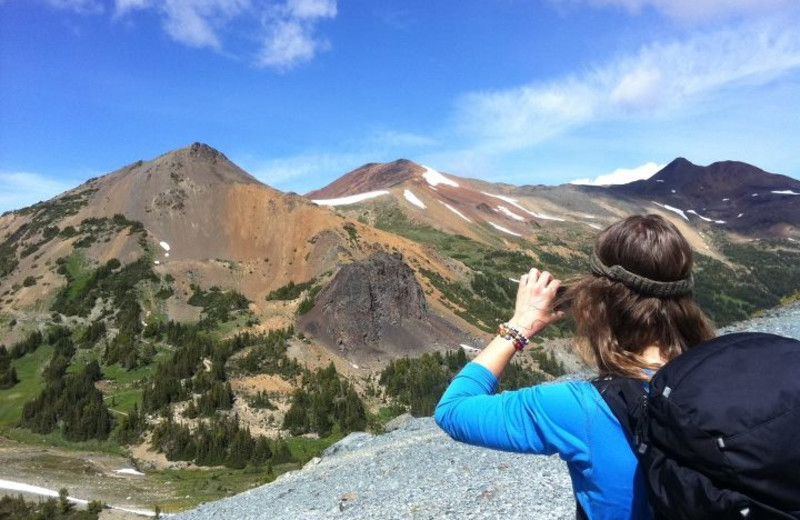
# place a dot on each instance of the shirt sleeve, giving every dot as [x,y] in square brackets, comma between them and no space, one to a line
[544,419]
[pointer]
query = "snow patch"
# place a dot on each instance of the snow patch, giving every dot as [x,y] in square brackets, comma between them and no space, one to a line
[785,192]
[352,199]
[166,255]
[659,180]
[693,212]
[514,203]
[164,245]
[413,199]
[504,210]
[469,348]
[594,226]
[670,208]
[157,262]
[504,199]
[504,230]
[545,217]
[791,239]
[673,191]
[435,178]
[725,200]
[740,215]
[354,365]
[754,195]
[129,471]
[696,214]
[35,490]
[454,210]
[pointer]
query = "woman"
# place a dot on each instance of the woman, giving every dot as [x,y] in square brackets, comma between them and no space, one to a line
[634,312]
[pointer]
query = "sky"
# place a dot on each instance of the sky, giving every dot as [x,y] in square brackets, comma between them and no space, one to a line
[300,92]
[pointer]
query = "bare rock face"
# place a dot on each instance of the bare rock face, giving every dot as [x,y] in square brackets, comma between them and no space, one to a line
[376,309]
[364,297]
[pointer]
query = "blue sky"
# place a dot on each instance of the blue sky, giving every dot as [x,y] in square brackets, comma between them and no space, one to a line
[299,92]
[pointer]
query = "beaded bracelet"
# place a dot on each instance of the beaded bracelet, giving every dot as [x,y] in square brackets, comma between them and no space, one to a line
[506,331]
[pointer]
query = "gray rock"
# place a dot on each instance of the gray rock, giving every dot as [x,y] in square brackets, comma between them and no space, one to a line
[398,422]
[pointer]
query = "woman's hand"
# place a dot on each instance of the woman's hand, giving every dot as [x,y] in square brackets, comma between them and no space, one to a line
[534,307]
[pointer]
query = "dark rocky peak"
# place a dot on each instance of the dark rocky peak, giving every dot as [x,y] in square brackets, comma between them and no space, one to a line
[726,178]
[376,309]
[203,152]
[364,297]
[198,163]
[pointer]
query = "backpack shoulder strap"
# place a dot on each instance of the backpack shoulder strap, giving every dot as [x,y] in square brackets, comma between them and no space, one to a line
[626,398]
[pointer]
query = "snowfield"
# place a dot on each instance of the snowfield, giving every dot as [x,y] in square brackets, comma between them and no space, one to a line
[670,208]
[454,210]
[504,230]
[435,178]
[507,212]
[352,199]
[413,199]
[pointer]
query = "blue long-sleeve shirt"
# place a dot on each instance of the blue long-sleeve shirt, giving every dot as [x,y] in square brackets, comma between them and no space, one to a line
[570,419]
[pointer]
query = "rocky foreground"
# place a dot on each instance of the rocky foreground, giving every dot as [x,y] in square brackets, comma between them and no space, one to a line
[413,472]
[417,472]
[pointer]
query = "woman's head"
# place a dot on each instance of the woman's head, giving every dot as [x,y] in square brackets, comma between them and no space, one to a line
[638,295]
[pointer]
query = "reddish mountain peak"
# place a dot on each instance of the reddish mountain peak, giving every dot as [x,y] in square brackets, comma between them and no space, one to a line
[370,177]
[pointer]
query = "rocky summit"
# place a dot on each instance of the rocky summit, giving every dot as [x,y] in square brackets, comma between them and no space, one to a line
[376,307]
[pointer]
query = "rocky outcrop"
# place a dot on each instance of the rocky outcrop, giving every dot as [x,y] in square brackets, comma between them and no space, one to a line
[376,308]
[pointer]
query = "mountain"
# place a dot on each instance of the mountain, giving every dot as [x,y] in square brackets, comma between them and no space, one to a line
[736,195]
[485,212]
[199,316]
[202,222]
[376,309]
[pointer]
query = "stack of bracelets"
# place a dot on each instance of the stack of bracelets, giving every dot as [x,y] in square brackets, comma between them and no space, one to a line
[506,331]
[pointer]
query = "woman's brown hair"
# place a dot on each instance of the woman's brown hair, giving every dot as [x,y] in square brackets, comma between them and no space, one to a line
[616,320]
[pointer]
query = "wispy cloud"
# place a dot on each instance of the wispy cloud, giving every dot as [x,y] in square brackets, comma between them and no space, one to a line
[405,140]
[291,32]
[21,189]
[78,6]
[286,32]
[623,175]
[196,23]
[661,78]
[304,172]
[695,10]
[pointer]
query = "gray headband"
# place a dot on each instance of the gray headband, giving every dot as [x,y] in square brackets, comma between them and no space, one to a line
[640,283]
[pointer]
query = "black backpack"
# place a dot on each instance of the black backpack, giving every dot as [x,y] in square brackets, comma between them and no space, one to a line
[718,433]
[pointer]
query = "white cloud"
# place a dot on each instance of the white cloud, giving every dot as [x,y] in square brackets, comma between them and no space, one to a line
[623,175]
[311,8]
[21,189]
[196,23]
[286,32]
[287,44]
[290,32]
[698,9]
[660,79]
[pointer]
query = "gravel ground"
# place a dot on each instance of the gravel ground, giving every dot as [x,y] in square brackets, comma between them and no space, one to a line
[414,472]
[417,472]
